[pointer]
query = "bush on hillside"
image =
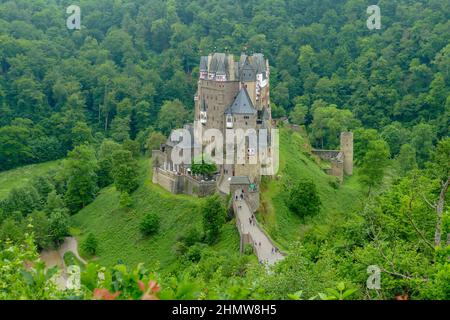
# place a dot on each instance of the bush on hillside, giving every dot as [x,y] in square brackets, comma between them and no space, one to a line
[150,224]
[90,245]
[303,198]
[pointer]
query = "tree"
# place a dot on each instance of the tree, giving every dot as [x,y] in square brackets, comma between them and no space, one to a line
[422,137]
[79,174]
[213,213]
[396,136]
[205,168]
[41,228]
[440,170]
[374,163]
[132,146]
[277,112]
[58,225]
[143,115]
[328,123]
[361,142]
[14,148]
[11,230]
[307,60]
[407,159]
[303,198]
[150,224]
[105,162]
[125,171]
[90,244]
[298,114]
[81,134]
[120,129]
[54,202]
[172,115]
[24,200]
[154,141]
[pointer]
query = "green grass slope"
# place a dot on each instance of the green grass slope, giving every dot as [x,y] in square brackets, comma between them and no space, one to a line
[21,176]
[297,163]
[117,229]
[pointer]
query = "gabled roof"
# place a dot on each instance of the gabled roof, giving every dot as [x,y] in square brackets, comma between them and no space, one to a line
[247,72]
[259,63]
[204,63]
[242,104]
[218,63]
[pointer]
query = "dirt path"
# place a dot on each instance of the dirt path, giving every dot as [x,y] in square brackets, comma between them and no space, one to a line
[55,258]
[70,245]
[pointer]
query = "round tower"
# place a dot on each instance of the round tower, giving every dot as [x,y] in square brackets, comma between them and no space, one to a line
[347,150]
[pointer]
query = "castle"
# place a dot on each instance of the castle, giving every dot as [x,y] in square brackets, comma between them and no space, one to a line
[232,95]
[233,99]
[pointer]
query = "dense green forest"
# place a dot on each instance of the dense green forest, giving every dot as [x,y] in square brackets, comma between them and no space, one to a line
[102,97]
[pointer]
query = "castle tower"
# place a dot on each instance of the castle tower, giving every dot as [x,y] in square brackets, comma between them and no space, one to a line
[347,150]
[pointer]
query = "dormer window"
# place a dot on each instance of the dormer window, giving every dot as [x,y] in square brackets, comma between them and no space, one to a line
[229,121]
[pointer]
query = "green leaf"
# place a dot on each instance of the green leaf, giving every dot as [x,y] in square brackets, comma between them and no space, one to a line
[341,286]
[348,293]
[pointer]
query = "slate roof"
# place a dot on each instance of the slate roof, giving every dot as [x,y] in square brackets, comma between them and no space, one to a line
[259,63]
[247,72]
[219,63]
[242,104]
[245,69]
[240,180]
[204,63]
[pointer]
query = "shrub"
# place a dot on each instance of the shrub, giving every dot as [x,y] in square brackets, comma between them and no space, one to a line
[90,245]
[192,236]
[213,212]
[126,201]
[194,253]
[248,249]
[303,199]
[150,224]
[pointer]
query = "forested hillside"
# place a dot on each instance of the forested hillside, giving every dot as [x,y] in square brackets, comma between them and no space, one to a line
[101,98]
[114,78]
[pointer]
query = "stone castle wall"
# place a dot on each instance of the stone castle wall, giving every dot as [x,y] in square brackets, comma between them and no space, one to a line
[167,180]
[182,184]
[341,161]
[326,154]
[347,150]
[218,97]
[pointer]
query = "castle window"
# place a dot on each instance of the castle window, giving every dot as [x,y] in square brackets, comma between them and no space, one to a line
[203,117]
[229,121]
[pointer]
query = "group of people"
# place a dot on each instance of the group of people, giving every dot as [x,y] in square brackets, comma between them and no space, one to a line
[239,197]
[252,220]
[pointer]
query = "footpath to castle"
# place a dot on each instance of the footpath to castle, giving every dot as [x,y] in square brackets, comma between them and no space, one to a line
[265,250]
